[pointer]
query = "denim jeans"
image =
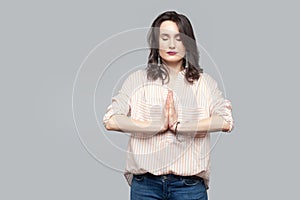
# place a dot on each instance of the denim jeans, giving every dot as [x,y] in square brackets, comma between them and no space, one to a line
[167,187]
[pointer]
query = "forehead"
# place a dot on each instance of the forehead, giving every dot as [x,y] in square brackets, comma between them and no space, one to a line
[169,27]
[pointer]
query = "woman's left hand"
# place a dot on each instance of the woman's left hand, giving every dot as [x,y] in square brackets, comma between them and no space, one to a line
[172,114]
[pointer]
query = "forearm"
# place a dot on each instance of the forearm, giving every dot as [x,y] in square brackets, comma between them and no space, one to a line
[138,128]
[200,128]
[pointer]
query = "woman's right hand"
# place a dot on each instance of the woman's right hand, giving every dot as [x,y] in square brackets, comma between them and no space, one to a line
[172,113]
[169,115]
[165,116]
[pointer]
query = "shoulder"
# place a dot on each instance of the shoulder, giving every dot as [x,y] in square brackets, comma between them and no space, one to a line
[139,73]
[136,77]
[207,79]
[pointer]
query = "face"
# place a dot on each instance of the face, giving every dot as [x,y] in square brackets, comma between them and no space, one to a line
[171,48]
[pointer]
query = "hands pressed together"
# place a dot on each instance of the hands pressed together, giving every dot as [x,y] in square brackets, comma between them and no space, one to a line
[170,117]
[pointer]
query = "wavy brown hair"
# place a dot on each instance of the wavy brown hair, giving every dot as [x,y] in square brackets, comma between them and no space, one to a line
[154,71]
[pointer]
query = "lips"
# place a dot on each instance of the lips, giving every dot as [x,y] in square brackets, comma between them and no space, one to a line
[171,53]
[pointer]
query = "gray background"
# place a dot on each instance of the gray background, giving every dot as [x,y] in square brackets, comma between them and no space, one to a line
[255,44]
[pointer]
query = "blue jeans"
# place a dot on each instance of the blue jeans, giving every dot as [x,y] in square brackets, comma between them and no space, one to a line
[167,187]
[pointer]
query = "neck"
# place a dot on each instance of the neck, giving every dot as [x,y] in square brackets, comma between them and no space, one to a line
[174,67]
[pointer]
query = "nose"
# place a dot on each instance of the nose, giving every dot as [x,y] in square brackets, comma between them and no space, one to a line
[172,44]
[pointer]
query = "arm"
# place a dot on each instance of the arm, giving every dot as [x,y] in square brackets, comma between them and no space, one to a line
[202,127]
[219,106]
[137,128]
[220,118]
[117,119]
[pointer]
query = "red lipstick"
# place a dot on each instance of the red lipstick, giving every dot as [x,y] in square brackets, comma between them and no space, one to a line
[171,53]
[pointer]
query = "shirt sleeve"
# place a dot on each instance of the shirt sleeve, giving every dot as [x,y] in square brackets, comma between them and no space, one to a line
[121,102]
[219,105]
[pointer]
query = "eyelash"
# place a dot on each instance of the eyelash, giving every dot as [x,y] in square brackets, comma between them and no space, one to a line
[165,39]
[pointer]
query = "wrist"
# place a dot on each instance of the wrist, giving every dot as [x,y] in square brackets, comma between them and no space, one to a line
[176,127]
[172,127]
[163,127]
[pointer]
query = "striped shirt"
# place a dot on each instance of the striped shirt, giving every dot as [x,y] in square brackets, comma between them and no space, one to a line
[164,153]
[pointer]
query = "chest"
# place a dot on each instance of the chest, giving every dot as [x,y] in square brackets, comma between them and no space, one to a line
[190,100]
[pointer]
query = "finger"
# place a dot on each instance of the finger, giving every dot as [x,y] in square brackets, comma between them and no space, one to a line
[171,102]
[167,104]
[171,109]
[167,100]
[171,99]
[166,109]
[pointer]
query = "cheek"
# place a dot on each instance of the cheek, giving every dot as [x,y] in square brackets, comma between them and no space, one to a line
[181,50]
[163,46]
[181,47]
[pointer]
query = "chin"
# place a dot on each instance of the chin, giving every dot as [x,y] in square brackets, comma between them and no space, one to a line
[173,60]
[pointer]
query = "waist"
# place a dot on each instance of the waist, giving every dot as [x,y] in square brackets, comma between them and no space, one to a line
[169,176]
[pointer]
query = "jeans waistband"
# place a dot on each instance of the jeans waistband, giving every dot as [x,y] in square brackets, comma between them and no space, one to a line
[169,176]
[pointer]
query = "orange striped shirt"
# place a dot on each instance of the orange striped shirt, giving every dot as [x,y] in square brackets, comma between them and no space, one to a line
[164,153]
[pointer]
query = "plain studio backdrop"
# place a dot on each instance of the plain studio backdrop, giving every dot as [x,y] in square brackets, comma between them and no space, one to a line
[255,45]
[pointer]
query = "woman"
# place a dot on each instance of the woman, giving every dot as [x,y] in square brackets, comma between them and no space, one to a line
[169,109]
